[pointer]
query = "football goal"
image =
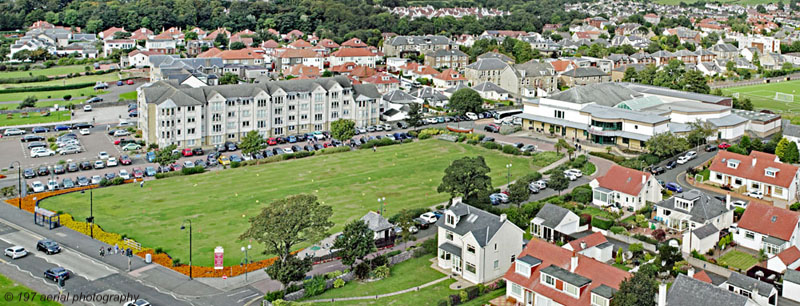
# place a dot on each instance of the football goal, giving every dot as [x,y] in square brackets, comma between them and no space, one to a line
[779,96]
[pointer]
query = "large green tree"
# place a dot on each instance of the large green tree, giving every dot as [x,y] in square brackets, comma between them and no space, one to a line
[518,192]
[229,78]
[414,115]
[289,270]
[701,130]
[251,143]
[787,151]
[165,156]
[639,290]
[465,177]
[666,144]
[465,100]
[356,241]
[558,182]
[343,129]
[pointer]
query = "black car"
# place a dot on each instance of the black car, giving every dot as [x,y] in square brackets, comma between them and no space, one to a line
[212,155]
[362,140]
[72,167]
[671,164]
[29,138]
[268,153]
[110,175]
[402,125]
[56,273]
[657,170]
[43,171]
[28,173]
[487,139]
[37,144]
[491,128]
[308,148]
[519,145]
[197,151]
[318,146]
[231,146]
[48,246]
[710,148]
[85,165]
[59,169]
[79,126]
[296,148]
[258,156]
[280,140]
[301,137]
[277,151]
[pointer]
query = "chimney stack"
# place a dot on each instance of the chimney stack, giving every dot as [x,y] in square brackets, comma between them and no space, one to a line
[754,162]
[573,263]
[503,217]
[644,179]
[728,201]
[662,294]
[690,273]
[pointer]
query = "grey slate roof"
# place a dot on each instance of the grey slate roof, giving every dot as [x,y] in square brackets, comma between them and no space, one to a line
[705,231]
[604,291]
[488,86]
[608,94]
[367,90]
[792,276]
[445,52]
[419,40]
[729,120]
[376,222]
[528,259]
[398,97]
[456,88]
[482,224]
[566,276]
[688,291]
[705,207]
[533,68]
[552,214]
[790,129]
[748,283]
[497,55]
[488,64]
[663,91]
[723,48]
[450,248]
[607,112]
[429,94]
[584,72]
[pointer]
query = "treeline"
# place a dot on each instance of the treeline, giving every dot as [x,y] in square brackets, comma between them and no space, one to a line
[335,19]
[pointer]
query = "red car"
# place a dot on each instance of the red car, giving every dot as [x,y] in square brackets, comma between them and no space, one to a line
[272,141]
[137,173]
[130,82]
[117,141]
[125,160]
[327,144]
[724,145]
[187,152]
[176,167]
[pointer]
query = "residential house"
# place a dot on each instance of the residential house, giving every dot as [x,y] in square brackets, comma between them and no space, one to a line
[138,59]
[545,274]
[396,105]
[443,58]
[759,171]
[328,45]
[554,223]
[788,259]
[652,18]
[430,96]
[725,51]
[448,78]
[302,71]
[791,285]
[494,54]
[117,44]
[693,209]
[108,34]
[771,60]
[141,34]
[583,76]
[162,43]
[289,57]
[381,227]
[702,239]
[360,56]
[760,292]
[515,78]
[400,46]
[246,56]
[476,244]
[594,245]
[354,42]
[485,70]
[686,290]
[383,81]
[300,44]
[393,64]
[491,91]
[624,187]
[769,228]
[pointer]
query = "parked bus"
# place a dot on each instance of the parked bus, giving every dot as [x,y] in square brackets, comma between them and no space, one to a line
[499,116]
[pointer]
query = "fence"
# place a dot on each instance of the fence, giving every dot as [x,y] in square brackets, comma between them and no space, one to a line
[727,84]
[630,240]
[710,267]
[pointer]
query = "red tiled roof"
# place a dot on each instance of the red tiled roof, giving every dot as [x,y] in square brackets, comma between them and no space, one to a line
[295,33]
[145,53]
[213,52]
[141,34]
[303,71]
[783,178]
[354,43]
[560,65]
[352,52]
[109,33]
[622,179]
[410,66]
[449,75]
[591,240]
[346,67]
[381,78]
[702,276]
[759,218]
[789,255]
[270,44]
[293,53]
[246,53]
[274,32]
[300,44]
[327,43]
[551,255]
[217,32]
[362,72]
[199,31]
[425,70]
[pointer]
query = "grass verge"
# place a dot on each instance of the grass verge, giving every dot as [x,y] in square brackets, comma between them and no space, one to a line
[17,291]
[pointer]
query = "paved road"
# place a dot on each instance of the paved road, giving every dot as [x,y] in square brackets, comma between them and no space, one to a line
[676,174]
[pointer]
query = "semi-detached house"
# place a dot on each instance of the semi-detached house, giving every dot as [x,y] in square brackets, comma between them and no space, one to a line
[359,56]
[475,244]
[758,171]
[625,188]
[766,227]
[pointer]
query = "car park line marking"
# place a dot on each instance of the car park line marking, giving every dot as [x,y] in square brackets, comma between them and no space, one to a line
[247,297]
[239,292]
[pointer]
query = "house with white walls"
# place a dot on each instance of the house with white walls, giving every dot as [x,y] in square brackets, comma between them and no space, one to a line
[594,245]
[553,222]
[693,209]
[624,187]
[788,259]
[767,227]
[759,171]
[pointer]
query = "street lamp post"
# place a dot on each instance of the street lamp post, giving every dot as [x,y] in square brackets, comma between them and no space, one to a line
[90,220]
[190,244]
[246,260]
[382,202]
[19,181]
[508,178]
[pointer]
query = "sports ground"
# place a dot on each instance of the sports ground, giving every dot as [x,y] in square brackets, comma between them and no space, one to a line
[763,97]
[221,202]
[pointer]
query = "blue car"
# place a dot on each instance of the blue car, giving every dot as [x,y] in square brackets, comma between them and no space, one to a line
[235,158]
[151,156]
[40,129]
[292,139]
[673,187]
[62,128]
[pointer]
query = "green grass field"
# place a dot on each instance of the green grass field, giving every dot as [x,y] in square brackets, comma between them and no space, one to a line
[19,293]
[425,296]
[131,95]
[763,97]
[34,118]
[742,2]
[56,94]
[221,202]
[737,259]
[52,71]
[408,274]
[108,77]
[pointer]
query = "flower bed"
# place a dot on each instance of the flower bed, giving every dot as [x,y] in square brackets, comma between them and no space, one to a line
[29,204]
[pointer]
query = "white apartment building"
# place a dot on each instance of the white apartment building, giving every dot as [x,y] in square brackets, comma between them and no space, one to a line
[211,115]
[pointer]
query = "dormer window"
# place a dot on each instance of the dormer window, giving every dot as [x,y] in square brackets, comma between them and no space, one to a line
[599,300]
[732,163]
[523,269]
[450,220]
[771,172]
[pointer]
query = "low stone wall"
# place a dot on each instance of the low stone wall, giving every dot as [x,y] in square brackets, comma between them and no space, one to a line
[710,267]
[630,240]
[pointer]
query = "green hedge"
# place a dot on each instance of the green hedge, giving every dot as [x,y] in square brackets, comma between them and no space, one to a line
[378,143]
[47,88]
[29,79]
[602,223]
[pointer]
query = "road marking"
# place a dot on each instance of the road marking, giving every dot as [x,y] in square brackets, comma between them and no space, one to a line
[240,292]
[246,298]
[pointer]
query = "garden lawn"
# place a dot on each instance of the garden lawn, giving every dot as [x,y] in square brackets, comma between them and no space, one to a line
[544,158]
[408,274]
[737,259]
[221,202]
[52,71]
[8,286]
[425,296]
[55,94]
[763,97]
[34,118]
[131,95]
[108,77]
[588,168]
[484,299]
[621,266]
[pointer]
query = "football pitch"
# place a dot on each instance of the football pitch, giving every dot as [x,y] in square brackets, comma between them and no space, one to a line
[221,202]
[763,96]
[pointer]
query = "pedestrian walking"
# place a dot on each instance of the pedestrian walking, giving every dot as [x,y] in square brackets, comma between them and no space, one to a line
[108,127]
[141,184]
[374,148]
[116,248]
[101,252]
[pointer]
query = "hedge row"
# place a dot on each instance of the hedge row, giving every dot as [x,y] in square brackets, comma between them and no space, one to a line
[28,79]
[47,88]
[602,223]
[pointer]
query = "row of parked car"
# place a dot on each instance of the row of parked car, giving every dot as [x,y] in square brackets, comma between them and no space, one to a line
[43,129]
[66,144]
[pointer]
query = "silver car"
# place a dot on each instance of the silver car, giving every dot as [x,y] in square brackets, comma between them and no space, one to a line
[69,150]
